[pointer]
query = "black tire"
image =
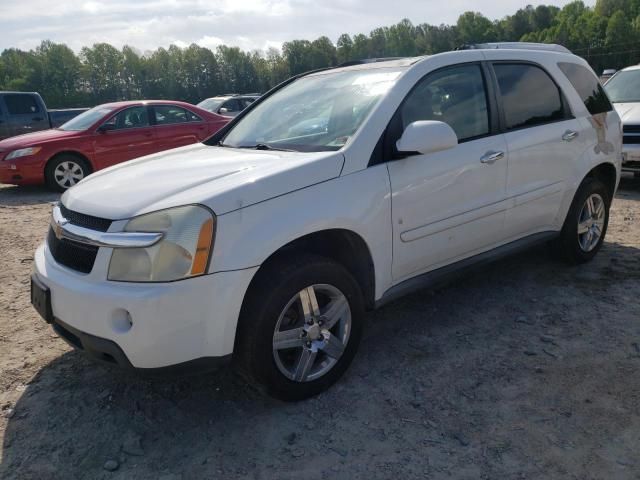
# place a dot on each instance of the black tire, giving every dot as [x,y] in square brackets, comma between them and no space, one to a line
[268,296]
[54,163]
[567,245]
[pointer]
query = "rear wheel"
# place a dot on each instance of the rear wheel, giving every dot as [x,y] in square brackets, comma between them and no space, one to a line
[586,224]
[64,171]
[300,327]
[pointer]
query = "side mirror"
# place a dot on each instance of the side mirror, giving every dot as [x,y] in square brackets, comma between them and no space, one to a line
[427,136]
[224,110]
[105,127]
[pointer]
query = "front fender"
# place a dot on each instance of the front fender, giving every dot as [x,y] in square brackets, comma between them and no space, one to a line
[359,202]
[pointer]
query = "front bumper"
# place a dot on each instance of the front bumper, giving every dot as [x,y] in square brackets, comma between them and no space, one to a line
[631,158]
[108,351]
[146,326]
[22,171]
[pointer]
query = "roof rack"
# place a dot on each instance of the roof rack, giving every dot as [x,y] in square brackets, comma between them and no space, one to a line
[237,94]
[368,60]
[553,47]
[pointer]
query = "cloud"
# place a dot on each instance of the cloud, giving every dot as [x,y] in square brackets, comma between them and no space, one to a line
[249,24]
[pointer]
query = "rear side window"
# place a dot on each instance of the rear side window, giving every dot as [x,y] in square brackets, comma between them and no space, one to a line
[21,104]
[588,87]
[170,114]
[529,96]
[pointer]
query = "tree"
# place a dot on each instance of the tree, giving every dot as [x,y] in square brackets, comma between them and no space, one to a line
[102,67]
[473,27]
[322,53]
[345,48]
[606,35]
[360,47]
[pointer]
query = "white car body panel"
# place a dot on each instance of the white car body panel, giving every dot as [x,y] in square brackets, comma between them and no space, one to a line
[630,115]
[415,214]
[196,174]
[172,322]
[446,205]
[250,235]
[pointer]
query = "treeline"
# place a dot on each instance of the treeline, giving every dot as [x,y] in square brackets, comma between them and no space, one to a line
[608,36]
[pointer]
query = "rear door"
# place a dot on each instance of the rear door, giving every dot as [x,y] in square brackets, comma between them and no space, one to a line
[130,136]
[26,113]
[543,139]
[176,126]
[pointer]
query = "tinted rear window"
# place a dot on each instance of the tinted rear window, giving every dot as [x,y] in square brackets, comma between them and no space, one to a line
[21,104]
[529,96]
[588,87]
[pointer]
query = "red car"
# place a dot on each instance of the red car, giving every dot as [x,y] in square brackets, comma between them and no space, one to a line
[101,137]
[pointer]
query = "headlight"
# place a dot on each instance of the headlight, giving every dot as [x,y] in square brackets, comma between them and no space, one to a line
[183,252]
[23,152]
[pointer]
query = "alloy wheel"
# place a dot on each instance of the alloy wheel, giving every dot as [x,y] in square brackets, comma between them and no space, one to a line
[591,222]
[312,333]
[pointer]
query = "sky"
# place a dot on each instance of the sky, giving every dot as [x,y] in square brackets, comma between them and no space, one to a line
[249,24]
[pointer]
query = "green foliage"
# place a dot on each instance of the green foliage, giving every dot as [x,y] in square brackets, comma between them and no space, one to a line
[607,35]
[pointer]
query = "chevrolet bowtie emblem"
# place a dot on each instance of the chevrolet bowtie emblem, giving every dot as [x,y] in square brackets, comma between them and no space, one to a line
[57,226]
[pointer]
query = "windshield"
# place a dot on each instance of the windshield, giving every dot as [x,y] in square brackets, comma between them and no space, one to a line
[211,104]
[314,113]
[624,87]
[86,119]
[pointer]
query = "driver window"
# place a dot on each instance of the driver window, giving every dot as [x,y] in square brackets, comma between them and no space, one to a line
[134,117]
[454,95]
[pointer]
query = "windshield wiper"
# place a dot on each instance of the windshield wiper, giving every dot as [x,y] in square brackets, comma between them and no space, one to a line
[264,146]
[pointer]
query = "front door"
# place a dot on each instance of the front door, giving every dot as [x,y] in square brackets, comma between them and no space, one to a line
[451,204]
[129,136]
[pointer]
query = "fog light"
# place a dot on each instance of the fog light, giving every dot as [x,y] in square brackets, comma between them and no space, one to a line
[121,321]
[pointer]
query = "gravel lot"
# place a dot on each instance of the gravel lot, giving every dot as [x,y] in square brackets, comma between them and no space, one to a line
[527,369]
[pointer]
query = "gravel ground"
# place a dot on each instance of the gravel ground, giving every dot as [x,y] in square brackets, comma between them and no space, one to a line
[527,369]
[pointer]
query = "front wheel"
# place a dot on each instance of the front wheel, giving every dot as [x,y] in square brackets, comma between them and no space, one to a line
[64,171]
[300,327]
[586,224]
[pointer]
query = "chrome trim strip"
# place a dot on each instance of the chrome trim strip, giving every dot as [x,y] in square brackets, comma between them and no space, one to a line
[63,229]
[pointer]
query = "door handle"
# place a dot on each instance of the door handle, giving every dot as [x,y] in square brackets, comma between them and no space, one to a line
[569,135]
[491,157]
[37,119]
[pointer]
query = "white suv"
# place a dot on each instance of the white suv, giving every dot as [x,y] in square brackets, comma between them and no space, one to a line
[624,91]
[271,245]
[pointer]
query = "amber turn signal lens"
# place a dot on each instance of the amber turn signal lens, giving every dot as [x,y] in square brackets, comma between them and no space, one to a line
[205,240]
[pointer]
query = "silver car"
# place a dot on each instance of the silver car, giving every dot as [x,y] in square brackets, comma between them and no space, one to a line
[229,105]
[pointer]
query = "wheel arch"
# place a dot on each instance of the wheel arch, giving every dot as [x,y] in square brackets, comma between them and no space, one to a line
[605,172]
[73,153]
[344,246]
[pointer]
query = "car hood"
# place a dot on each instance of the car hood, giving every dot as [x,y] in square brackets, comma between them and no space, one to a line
[629,113]
[224,179]
[34,138]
